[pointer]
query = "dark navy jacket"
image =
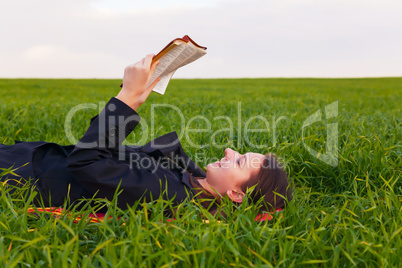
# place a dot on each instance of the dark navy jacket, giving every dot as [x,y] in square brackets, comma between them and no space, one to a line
[98,163]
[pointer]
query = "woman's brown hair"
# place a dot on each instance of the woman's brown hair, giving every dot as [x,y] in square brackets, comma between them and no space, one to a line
[271,183]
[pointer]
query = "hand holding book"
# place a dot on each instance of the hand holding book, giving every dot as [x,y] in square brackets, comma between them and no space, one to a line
[137,82]
[179,52]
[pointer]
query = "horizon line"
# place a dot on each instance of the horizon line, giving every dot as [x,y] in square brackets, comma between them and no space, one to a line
[209,78]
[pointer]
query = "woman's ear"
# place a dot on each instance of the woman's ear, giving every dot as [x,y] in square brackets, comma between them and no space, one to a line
[235,195]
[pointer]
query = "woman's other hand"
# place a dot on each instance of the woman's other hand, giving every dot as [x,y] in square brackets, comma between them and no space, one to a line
[137,77]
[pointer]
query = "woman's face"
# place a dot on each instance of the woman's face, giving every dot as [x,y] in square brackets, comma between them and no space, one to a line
[232,171]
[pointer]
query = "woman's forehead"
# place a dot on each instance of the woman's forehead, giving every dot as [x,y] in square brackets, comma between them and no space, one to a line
[254,159]
[253,155]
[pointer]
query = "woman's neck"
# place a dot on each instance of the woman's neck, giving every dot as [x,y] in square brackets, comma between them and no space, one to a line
[204,183]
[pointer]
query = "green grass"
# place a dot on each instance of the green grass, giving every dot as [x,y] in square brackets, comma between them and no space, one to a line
[343,216]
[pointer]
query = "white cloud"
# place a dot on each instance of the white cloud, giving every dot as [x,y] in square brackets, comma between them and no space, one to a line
[52,61]
[42,52]
[124,5]
[255,38]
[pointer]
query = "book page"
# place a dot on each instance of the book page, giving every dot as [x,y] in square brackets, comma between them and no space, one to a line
[163,83]
[185,54]
[195,54]
[163,65]
[182,54]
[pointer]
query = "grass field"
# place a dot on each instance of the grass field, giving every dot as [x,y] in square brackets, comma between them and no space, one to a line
[345,215]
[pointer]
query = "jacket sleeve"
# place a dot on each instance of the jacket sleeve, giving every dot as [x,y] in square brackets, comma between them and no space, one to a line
[93,160]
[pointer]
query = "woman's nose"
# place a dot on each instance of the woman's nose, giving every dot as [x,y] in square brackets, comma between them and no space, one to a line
[227,152]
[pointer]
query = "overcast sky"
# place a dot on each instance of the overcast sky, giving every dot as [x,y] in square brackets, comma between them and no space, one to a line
[245,38]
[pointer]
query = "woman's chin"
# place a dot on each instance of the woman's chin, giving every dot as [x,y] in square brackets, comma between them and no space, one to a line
[213,166]
[209,166]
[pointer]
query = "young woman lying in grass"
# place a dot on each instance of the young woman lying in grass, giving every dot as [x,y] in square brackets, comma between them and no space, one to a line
[99,164]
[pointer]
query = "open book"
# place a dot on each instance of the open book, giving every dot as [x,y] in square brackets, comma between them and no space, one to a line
[179,52]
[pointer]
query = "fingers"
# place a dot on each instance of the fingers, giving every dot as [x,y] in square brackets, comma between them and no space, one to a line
[148,60]
[151,86]
[152,70]
[153,67]
[146,93]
